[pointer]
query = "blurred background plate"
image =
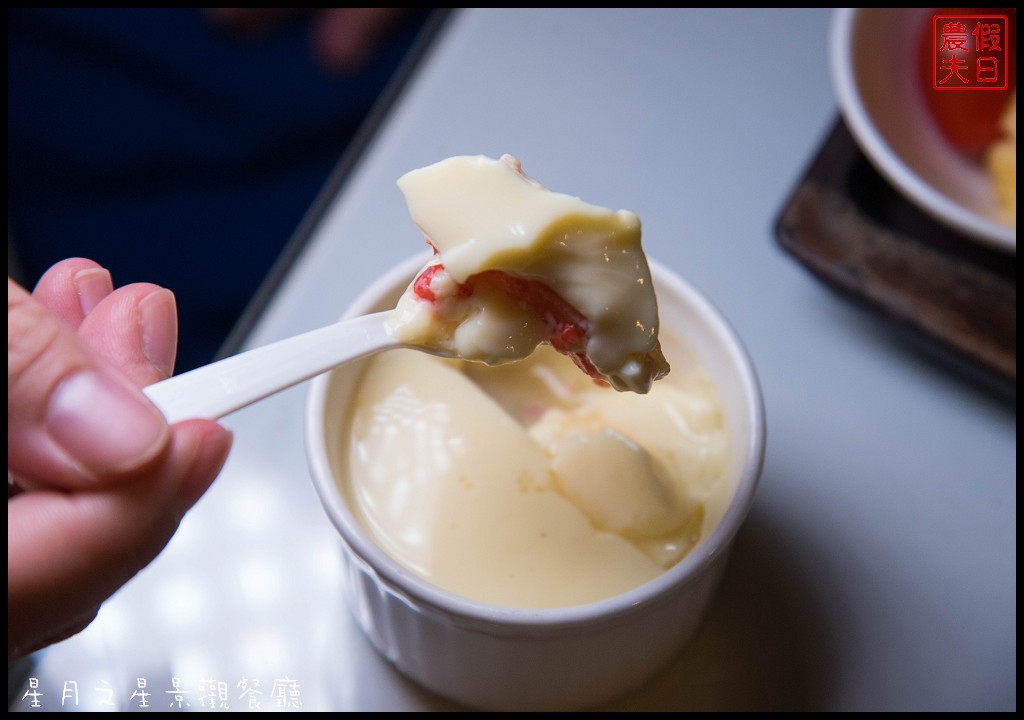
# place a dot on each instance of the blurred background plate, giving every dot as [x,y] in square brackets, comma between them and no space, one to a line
[876,63]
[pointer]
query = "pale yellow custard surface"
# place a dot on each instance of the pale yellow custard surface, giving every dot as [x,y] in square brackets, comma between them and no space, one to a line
[481,215]
[528,485]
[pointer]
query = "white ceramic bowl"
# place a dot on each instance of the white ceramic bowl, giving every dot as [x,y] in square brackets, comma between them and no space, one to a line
[873,58]
[497,658]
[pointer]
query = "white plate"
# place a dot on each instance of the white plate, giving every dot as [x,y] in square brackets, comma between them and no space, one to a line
[873,62]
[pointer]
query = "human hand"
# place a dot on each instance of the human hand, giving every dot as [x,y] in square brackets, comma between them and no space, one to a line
[343,39]
[97,480]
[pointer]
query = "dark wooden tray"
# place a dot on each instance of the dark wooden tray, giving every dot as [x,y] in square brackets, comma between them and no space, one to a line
[952,296]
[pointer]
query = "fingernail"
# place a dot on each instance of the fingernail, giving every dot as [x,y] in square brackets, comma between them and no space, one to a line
[159,329]
[92,284]
[104,424]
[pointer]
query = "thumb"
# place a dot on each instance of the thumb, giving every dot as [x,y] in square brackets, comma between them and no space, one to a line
[72,420]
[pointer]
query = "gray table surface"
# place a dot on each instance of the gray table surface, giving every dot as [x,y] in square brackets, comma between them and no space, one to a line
[877,570]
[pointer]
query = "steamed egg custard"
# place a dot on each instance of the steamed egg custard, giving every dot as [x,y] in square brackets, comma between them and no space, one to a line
[527,484]
[517,265]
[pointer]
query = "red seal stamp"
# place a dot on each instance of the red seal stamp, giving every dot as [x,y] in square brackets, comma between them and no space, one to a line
[970,52]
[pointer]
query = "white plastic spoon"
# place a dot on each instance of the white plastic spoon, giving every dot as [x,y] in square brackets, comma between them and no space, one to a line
[215,390]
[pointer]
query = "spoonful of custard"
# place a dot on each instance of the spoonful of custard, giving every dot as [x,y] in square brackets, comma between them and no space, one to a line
[515,265]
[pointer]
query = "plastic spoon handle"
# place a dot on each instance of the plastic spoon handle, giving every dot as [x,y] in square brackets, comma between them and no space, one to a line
[222,387]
